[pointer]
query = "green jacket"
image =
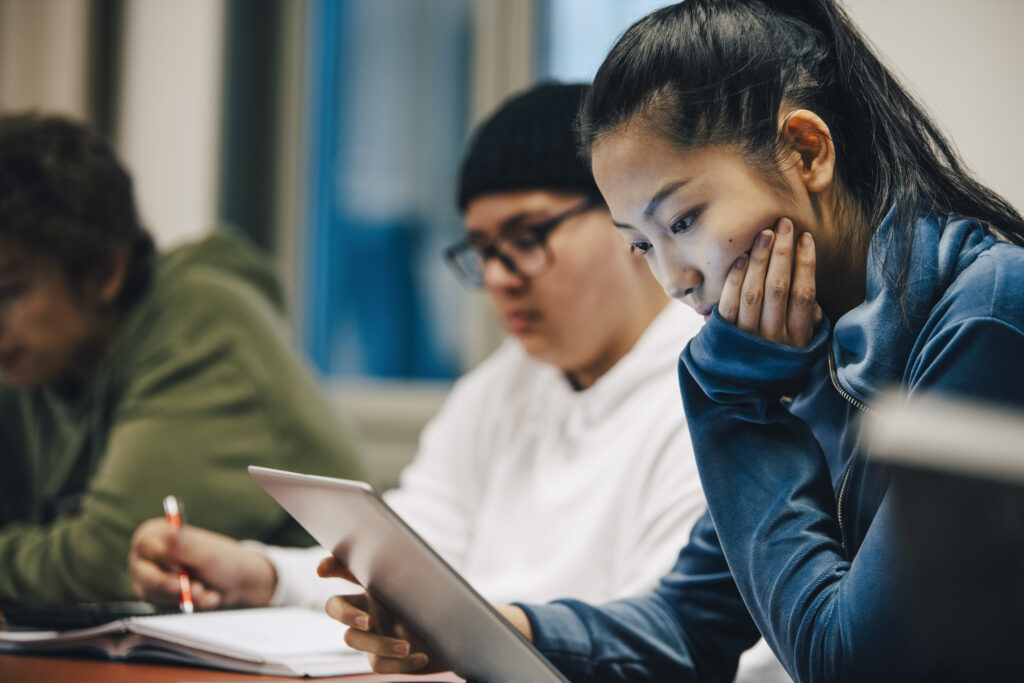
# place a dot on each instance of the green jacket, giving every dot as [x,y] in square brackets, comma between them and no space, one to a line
[200,381]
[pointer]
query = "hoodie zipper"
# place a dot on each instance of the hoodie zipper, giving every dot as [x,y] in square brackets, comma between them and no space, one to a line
[849,466]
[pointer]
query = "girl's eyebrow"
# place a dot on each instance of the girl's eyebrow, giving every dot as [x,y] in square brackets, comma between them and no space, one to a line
[660,196]
[655,202]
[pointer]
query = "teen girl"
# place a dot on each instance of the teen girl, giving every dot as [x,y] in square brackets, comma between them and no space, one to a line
[777,178]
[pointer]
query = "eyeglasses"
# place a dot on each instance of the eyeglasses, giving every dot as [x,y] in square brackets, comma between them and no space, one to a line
[524,252]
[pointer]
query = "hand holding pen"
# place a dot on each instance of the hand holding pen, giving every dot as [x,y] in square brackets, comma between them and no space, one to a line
[173,514]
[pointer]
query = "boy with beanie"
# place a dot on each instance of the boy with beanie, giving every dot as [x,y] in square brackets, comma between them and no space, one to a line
[559,467]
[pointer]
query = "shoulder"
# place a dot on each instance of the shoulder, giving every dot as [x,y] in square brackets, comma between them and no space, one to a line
[202,301]
[200,325]
[205,294]
[220,279]
[967,345]
[990,288]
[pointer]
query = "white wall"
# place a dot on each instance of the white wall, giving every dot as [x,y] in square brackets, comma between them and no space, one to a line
[965,61]
[43,56]
[169,114]
[170,95]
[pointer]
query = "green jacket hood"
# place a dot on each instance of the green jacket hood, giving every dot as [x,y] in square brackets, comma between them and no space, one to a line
[227,249]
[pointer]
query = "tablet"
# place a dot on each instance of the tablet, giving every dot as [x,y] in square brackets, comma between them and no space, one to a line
[408,577]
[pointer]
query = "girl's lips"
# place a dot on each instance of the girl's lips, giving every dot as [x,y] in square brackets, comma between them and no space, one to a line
[706,310]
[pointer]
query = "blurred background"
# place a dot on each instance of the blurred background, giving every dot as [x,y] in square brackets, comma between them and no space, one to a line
[330,131]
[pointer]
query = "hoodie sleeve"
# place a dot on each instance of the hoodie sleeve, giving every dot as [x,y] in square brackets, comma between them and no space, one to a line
[765,478]
[830,616]
[190,430]
[770,492]
[692,627]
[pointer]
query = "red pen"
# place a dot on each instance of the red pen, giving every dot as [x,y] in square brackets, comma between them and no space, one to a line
[173,515]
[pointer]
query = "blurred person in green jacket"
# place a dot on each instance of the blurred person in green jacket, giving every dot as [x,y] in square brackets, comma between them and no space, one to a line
[126,375]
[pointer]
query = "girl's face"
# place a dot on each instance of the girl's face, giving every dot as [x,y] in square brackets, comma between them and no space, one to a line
[46,329]
[587,309]
[692,213]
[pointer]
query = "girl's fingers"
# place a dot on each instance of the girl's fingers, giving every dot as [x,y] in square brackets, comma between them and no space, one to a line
[350,610]
[391,647]
[803,314]
[399,665]
[729,302]
[771,292]
[376,644]
[752,290]
[777,284]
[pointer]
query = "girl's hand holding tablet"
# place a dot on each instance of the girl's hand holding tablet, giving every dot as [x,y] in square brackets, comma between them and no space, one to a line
[391,645]
[372,629]
[771,292]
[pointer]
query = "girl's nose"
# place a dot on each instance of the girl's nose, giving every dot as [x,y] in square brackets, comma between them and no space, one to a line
[682,282]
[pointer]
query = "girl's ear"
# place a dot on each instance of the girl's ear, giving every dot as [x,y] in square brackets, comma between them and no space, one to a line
[809,138]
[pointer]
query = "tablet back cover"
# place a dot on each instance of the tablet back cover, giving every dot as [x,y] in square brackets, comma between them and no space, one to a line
[408,577]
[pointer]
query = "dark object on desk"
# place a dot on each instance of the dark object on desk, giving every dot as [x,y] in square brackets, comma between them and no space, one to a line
[958,503]
[82,615]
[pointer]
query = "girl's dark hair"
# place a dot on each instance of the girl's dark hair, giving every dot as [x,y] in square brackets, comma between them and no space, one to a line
[717,72]
[63,194]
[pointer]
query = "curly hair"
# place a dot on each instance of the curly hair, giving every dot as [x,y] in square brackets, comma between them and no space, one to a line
[65,195]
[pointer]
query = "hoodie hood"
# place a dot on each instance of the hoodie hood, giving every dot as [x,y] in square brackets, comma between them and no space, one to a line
[227,250]
[873,342]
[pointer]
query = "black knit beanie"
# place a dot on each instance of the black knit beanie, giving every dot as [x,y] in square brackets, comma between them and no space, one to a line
[529,143]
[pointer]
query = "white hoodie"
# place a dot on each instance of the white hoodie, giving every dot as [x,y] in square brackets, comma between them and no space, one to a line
[535,491]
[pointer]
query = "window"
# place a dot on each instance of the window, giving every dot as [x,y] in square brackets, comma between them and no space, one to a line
[387,87]
[388,93]
[575,35]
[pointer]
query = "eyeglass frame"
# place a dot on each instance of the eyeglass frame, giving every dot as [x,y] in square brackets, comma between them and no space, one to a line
[540,232]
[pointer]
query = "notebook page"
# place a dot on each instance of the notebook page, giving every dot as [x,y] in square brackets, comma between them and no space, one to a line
[266,634]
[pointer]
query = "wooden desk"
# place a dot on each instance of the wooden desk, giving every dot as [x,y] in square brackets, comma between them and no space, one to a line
[54,669]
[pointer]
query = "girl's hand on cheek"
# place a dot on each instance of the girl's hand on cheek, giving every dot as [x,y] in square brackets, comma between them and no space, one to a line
[771,292]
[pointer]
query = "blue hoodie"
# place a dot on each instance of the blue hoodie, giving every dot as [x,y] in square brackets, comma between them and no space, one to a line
[797,540]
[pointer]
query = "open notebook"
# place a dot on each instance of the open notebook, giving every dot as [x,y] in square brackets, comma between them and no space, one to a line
[280,641]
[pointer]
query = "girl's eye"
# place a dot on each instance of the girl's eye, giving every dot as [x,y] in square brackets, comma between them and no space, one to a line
[683,224]
[639,247]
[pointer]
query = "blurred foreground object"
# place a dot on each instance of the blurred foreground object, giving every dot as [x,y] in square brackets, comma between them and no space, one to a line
[958,483]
